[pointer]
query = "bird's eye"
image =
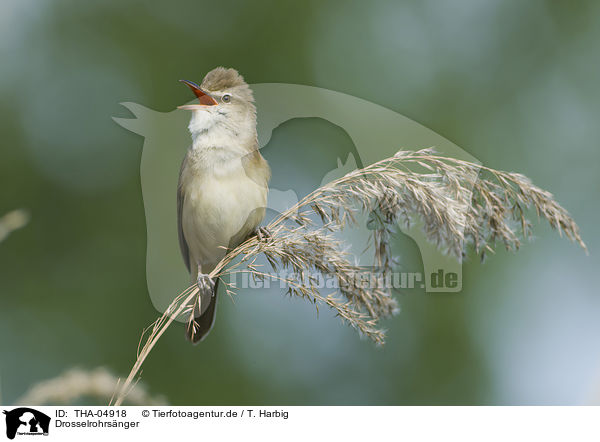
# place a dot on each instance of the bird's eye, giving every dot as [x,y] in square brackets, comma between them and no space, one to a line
[226,98]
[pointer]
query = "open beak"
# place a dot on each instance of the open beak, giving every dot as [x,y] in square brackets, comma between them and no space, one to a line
[204,98]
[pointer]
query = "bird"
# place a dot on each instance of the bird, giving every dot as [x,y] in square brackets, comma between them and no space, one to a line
[223,184]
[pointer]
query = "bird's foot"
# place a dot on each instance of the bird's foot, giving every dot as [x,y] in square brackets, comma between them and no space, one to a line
[206,284]
[263,234]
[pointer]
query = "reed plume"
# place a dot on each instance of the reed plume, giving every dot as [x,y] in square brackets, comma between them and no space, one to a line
[11,221]
[77,385]
[459,206]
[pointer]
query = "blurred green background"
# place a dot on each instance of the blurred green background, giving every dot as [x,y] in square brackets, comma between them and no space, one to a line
[513,83]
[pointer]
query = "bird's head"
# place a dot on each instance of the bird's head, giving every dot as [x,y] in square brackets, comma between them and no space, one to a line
[225,100]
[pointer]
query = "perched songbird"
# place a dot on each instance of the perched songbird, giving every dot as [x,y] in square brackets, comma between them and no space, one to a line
[223,183]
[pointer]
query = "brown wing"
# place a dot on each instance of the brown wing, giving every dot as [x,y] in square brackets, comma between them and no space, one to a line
[256,167]
[185,250]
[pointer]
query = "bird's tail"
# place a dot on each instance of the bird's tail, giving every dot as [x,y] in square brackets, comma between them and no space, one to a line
[197,329]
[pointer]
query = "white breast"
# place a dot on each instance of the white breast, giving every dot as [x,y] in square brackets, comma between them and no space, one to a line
[221,204]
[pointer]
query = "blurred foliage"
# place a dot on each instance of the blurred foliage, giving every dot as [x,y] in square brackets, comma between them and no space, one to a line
[513,83]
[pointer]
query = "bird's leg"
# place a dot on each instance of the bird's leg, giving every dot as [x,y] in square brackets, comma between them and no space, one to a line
[205,283]
[262,233]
